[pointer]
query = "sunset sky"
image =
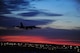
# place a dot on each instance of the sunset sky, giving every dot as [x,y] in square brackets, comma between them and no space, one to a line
[59,20]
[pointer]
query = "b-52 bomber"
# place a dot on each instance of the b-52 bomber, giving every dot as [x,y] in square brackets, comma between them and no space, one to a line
[27,27]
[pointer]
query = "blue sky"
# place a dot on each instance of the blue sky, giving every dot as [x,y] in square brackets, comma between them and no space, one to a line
[67,8]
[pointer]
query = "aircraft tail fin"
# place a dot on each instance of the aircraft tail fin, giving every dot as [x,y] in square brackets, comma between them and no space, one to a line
[21,24]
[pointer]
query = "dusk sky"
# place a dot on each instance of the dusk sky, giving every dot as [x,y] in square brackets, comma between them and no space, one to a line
[67,8]
[59,20]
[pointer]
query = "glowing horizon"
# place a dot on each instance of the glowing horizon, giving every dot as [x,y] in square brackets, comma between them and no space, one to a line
[37,39]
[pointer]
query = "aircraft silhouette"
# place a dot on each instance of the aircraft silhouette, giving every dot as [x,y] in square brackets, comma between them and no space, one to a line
[27,27]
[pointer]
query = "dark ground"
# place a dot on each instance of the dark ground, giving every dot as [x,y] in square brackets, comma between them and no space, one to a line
[31,50]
